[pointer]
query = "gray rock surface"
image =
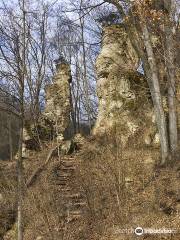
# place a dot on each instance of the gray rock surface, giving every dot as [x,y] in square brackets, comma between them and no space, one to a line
[123,93]
[58,105]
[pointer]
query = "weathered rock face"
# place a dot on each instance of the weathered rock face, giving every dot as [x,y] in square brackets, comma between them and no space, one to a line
[9,135]
[58,105]
[123,93]
[9,126]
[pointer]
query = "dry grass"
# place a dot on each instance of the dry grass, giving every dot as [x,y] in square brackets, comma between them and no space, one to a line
[126,189]
[123,188]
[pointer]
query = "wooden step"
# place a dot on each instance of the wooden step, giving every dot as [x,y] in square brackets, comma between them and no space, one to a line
[73,218]
[73,215]
[68,158]
[68,163]
[59,179]
[65,189]
[63,177]
[75,195]
[64,174]
[79,204]
[75,212]
[63,183]
[66,168]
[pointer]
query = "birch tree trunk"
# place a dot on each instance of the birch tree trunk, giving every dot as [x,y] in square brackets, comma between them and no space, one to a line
[156,96]
[85,76]
[10,136]
[20,185]
[20,159]
[171,76]
[173,134]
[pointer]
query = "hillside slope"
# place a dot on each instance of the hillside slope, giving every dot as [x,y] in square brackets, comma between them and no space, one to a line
[93,194]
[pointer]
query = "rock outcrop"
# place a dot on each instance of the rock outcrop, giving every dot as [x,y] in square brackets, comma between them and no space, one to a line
[124,98]
[9,125]
[58,105]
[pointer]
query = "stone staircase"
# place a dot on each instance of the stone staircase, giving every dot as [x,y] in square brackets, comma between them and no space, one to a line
[63,178]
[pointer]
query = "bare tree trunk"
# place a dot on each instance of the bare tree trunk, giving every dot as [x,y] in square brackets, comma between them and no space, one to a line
[156,96]
[20,159]
[77,100]
[73,112]
[173,134]
[10,137]
[20,185]
[171,76]
[85,77]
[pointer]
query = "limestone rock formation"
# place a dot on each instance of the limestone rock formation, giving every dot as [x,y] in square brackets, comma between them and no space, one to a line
[58,105]
[34,133]
[122,91]
[9,125]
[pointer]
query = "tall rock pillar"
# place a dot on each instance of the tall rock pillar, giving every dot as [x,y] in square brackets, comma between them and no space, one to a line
[58,106]
[122,91]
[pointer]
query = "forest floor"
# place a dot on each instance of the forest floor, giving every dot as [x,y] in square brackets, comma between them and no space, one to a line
[95,193]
